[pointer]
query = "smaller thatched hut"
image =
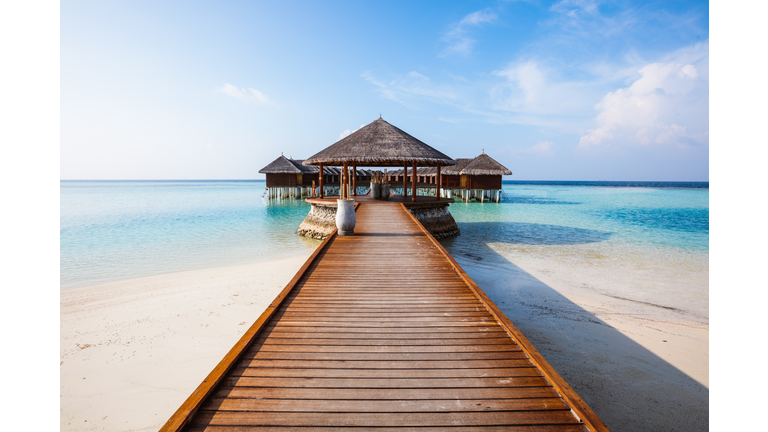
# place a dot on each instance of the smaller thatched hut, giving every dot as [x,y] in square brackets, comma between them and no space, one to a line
[478,178]
[290,178]
[483,173]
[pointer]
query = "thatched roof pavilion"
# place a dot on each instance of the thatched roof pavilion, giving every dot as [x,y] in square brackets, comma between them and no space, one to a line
[484,165]
[380,144]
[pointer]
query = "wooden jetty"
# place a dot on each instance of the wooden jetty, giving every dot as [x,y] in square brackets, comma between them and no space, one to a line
[383,330]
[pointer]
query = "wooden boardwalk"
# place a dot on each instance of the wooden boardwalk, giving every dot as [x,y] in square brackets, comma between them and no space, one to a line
[383,330]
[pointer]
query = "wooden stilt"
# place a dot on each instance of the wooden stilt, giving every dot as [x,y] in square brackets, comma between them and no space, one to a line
[405,180]
[344,180]
[320,180]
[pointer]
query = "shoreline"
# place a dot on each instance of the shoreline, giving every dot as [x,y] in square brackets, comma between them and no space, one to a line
[143,345]
[110,281]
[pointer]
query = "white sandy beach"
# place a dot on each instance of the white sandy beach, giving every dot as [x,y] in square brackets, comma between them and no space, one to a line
[132,351]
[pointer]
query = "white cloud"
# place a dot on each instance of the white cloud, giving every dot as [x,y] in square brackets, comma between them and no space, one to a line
[459,40]
[405,88]
[477,18]
[667,105]
[529,88]
[542,148]
[575,7]
[242,93]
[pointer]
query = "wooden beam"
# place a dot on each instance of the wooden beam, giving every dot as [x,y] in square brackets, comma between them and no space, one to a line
[437,182]
[354,178]
[413,182]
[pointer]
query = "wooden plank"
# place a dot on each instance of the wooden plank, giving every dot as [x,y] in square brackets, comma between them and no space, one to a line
[400,406]
[385,349]
[507,428]
[391,383]
[445,419]
[281,372]
[339,339]
[425,332]
[394,364]
[387,394]
[252,357]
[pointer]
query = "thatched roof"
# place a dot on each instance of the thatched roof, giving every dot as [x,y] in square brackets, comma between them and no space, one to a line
[380,144]
[485,165]
[456,169]
[281,165]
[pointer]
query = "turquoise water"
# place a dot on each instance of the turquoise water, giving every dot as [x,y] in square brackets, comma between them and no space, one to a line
[124,229]
[671,218]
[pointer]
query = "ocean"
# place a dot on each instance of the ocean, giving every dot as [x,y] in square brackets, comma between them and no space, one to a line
[113,230]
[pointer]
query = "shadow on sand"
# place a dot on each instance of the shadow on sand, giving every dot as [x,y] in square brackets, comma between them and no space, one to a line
[629,387]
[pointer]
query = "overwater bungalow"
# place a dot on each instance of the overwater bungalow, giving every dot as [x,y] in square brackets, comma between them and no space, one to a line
[289,178]
[478,178]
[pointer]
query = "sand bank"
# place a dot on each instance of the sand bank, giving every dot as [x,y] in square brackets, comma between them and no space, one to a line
[133,351]
[639,360]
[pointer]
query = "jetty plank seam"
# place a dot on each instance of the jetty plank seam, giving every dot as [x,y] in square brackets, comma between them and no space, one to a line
[383,330]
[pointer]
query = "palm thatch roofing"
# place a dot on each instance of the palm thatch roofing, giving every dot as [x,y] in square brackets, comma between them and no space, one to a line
[380,144]
[485,165]
[284,165]
[281,165]
[456,169]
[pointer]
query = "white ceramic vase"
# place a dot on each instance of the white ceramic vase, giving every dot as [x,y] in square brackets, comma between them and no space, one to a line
[345,217]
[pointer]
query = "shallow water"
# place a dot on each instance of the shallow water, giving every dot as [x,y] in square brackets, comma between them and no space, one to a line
[648,245]
[657,236]
[122,229]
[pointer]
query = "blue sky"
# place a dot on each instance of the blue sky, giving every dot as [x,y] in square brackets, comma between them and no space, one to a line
[563,90]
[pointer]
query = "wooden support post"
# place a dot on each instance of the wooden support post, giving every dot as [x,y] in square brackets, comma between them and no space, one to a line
[354,178]
[344,181]
[405,180]
[437,182]
[320,180]
[413,182]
